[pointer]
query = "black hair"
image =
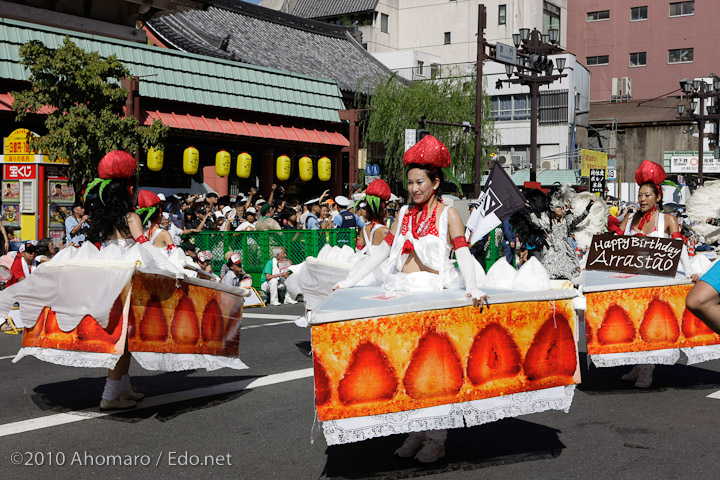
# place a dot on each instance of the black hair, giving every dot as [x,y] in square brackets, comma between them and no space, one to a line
[110,214]
[377,216]
[230,263]
[432,173]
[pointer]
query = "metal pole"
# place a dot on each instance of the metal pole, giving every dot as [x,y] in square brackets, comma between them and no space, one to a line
[533,128]
[477,166]
[701,134]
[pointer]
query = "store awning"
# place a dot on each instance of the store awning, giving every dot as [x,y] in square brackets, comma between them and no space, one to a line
[245,129]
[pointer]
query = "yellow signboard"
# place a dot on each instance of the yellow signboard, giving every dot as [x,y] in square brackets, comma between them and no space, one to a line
[17,142]
[590,159]
[16,149]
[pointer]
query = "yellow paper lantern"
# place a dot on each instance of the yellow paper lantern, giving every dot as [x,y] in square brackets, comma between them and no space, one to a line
[223,162]
[283,167]
[305,167]
[191,160]
[155,159]
[324,169]
[244,165]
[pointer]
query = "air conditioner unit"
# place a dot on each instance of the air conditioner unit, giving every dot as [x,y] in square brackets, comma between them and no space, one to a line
[546,165]
[615,87]
[626,86]
[503,160]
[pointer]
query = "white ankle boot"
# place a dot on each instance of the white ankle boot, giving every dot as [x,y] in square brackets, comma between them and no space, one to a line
[644,379]
[632,375]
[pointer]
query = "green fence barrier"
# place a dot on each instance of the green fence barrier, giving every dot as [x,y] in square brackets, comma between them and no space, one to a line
[256,247]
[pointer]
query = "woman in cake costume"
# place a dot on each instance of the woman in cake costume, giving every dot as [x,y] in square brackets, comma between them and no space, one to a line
[375,231]
[114,222]
[150,207]
[650,222]
[416,254]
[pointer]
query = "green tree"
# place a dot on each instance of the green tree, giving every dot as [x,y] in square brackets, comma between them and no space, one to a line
[83,93]
[394,106]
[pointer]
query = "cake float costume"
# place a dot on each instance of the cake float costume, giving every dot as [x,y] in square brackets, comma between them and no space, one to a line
[121,296]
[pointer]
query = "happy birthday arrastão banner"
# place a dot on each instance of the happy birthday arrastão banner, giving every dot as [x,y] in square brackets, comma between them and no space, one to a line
[408,361]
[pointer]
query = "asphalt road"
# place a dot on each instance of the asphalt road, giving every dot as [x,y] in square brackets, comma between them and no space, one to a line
[201,424]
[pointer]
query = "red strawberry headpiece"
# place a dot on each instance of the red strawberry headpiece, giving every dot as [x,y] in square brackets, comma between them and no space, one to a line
[650,172]
[429,152]
[379,188]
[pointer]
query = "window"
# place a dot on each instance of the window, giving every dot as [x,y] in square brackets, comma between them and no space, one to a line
[506,108]
[420,68]
[447,38]
[551,17]
[681,55]
[678,9]
[502,14]
[553,107]
[383,23]
[638,59]
[638,13]
[598,60]
[601,15]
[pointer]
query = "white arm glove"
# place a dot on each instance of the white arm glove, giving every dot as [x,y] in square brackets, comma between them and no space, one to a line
[380,253]
[685,262]
[466,263]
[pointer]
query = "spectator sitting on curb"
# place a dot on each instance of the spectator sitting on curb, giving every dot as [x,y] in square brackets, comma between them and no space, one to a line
[203,260]
[24,262]
[236,276]
[275,273]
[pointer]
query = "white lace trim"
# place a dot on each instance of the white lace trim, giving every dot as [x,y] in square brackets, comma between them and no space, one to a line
[457,415]
[69,358]
[668,356]
[176,362]
[701,354]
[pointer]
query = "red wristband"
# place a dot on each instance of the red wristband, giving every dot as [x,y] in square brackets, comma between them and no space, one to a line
[142,239]
[360,247]
[170,247]
[459,242]
[677,236]
[389,238]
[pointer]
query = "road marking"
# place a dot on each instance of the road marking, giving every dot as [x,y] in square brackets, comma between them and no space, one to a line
[269,315]
[715,395]
[267,324]
[154,401]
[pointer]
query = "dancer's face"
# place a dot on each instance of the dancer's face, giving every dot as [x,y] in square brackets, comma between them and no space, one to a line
[647,198]
[420,187]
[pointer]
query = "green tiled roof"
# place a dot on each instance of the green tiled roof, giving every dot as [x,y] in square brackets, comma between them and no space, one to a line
[545,177]
[187,77]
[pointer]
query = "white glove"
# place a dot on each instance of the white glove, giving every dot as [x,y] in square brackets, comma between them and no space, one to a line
[685,262]
[467,270]
[380,253]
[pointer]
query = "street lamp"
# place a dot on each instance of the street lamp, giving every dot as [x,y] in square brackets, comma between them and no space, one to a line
[698,92]
[534,71]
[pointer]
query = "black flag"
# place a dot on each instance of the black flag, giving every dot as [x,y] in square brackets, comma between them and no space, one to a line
[499,199]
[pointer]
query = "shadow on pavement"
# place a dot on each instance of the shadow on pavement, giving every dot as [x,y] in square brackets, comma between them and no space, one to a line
[84,393]
[607,381]
[499,443]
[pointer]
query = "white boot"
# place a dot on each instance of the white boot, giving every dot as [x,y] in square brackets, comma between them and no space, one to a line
[645,379]
[632,375]
[413,443]
[431,451]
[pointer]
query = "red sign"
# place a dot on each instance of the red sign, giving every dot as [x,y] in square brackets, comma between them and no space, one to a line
[20,172]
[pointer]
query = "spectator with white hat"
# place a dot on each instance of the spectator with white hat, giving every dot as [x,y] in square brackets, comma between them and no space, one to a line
[204,260]
[346,218]
[250,220]
[235,275]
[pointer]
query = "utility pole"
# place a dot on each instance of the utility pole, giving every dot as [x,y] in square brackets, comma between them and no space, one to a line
[482,23]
